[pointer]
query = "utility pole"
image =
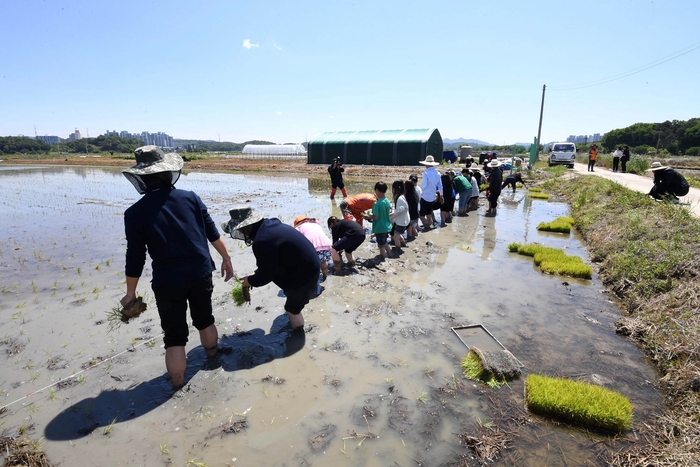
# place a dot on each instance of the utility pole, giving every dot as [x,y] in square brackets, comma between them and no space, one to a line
[539,129]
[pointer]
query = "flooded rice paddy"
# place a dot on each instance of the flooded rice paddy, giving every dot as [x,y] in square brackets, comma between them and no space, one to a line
[375,380]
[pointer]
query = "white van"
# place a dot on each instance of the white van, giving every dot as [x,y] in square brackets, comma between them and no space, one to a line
[562,153]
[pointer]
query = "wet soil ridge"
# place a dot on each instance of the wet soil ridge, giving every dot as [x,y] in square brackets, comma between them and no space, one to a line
[647,253]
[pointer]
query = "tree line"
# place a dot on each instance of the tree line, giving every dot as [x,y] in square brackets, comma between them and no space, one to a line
[677,137]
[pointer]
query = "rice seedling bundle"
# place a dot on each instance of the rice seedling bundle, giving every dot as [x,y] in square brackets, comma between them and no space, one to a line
[578,402]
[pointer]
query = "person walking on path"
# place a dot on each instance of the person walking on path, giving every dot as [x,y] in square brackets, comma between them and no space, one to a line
[592,157]
[174,227]
[381,219]
[495,182]
[356,205]
[668,183]
[336,172]
[347,236]
[625,158]
[312,230]
[431,186]
[616,158]
[282,256]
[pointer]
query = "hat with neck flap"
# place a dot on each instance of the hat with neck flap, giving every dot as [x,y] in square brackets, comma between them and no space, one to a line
[152,160]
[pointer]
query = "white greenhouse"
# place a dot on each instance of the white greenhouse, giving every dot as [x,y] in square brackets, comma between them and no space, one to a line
[274,150]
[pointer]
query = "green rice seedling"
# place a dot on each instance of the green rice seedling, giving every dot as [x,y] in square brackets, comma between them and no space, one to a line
[70,286]
[237,293]
[560,224]
[532,249]
[513,247]
[164,449]
[475,371]
[549,255]
[107,263]
[52,394]
[108,429]
[96,289]
[80,271]
[33,408]
[21,305]
[539,196]
[571,266]
[535,190]
[423,397]
[193,462]
[97,268]
[578,402]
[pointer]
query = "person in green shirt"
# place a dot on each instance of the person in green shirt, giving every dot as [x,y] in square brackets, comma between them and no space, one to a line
[463,187]
[380,218]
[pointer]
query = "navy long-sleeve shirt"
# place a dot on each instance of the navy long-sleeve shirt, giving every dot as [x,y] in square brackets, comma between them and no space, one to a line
[283,256]
[175,228]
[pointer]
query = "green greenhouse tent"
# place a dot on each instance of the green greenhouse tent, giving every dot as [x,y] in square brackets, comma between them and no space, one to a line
[376,147]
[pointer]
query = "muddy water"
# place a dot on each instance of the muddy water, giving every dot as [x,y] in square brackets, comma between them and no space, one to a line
[374,381]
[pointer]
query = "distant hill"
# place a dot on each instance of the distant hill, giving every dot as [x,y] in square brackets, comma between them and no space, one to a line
[470,142]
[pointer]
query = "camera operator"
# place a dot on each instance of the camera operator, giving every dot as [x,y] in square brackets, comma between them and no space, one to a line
[336,172]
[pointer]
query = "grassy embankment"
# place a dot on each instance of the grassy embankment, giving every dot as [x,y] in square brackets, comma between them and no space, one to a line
[648,254]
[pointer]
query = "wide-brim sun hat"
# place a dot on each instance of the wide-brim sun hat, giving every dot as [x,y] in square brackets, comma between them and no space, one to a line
[429,161]
[152,160]
[656,166]
[495,163]
[241,216]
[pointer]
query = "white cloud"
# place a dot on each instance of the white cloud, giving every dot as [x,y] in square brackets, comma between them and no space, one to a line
[331,116]
[248,45]
[275,46]
[278,113]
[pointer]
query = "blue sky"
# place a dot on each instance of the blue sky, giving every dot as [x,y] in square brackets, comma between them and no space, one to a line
[285,71]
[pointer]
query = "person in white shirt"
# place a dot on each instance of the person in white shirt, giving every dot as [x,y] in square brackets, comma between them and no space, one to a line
[616,158]
[431,186]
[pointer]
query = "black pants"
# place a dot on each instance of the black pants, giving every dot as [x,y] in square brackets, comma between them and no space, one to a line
[616,163]
[624,164]
[591,163]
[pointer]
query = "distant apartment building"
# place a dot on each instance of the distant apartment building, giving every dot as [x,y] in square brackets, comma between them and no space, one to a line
[595,137]
[159,139]
[75,135]
[48,139]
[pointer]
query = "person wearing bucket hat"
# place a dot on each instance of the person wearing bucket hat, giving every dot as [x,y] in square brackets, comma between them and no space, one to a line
[283,256]
[312,230]
[174,227]
[495,181]
[668,183]
[431,188]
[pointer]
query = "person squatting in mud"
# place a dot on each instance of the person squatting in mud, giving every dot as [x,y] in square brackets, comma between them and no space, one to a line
[282,256]
[355,206]
[174,227]
[312,230]
[513,180]
[347,236]
[668,183]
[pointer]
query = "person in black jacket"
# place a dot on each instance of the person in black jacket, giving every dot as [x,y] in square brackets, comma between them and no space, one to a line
[336,172]
[174,227]
[495,182]
[282,255]
[625,158]
[668,183]
[347,236]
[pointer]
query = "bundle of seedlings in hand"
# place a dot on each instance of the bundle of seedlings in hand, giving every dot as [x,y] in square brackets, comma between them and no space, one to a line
[578,402]
[240,294]
[560,224]
[119,314]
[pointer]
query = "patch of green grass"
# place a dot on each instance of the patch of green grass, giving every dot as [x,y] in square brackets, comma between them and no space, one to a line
[578,402]
[513,247]
[471,364]
[561,224]
[237,293]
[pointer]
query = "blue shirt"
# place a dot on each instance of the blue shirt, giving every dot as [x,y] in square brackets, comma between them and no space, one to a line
[175,228]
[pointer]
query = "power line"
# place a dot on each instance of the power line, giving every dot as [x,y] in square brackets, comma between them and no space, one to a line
[634,71]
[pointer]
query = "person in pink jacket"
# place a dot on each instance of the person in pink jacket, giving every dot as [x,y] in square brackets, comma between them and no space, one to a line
[313,231]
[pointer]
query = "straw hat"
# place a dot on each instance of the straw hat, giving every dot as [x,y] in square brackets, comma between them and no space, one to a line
[656,166]
[152,160]
[474,166]
[495,163]
[429,161]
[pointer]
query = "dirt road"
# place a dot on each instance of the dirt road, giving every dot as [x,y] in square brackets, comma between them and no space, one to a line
[639,183]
